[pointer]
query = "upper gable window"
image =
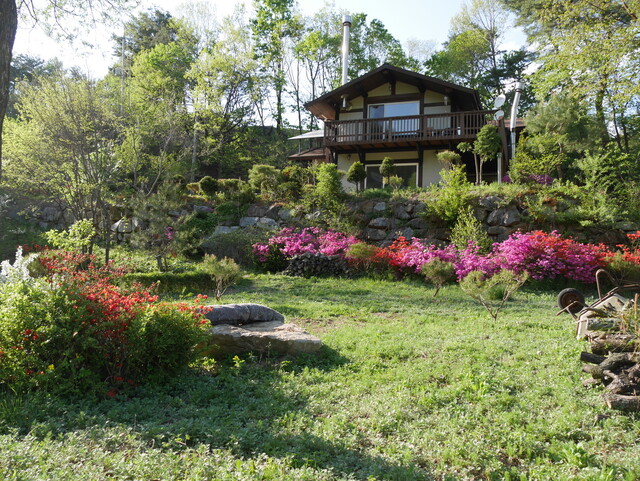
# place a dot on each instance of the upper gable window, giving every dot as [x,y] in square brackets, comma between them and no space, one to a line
[396,109]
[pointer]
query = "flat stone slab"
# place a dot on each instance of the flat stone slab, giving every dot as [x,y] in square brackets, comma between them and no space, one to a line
[261,337]
[241,314]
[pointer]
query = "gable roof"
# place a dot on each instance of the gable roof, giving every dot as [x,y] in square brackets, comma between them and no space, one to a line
[327,105]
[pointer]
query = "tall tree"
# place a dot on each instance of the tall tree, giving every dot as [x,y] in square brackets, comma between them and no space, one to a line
[226,84]
[62,147]
[8,28]
[25,70]
[473,55]
[372,45]
[144,32]
[50,9]
[274,21]
[157,124]
[590,49]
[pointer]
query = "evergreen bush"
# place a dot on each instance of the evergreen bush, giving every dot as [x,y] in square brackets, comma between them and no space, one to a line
[209,186]
[357,174]
[468,229]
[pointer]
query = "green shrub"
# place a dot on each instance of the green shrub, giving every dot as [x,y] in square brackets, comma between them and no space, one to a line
[288,191]
[75,332]
[236,245]
[264,179]
[236,190]
[387,169]
[395,182]
[230,211]
[78,237]
[209,186]
[438,272]
[202,223]
[223,272]
[357,174]
[328,192]
[194,188]
[494,291]
[469,229]
[527,163]
[448,158]
[162,341]
[451,196]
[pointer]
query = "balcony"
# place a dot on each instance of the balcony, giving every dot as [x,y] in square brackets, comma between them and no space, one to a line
[409,131]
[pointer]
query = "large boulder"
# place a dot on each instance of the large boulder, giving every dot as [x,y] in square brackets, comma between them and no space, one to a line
[239,328]
[261,337]
[504,216]
[240,314]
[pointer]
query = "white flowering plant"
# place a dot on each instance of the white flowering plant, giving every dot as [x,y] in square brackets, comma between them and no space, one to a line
[19,270]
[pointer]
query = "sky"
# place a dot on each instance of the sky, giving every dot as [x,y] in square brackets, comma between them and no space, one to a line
[405,19]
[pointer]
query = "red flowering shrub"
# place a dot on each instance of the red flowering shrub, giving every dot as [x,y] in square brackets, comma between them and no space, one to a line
[625,263]
[74,330]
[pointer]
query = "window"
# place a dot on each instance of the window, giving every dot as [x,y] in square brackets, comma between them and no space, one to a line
[407,172]
[398,109]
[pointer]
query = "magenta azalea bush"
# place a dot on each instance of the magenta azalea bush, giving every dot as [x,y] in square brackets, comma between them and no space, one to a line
[311,240]
[550,256]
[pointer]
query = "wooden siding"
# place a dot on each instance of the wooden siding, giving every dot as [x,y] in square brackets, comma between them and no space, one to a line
[432,129]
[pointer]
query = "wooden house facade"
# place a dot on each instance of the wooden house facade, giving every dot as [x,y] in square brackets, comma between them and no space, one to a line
[409,117]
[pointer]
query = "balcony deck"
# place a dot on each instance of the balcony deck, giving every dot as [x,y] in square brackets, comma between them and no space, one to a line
[410,131]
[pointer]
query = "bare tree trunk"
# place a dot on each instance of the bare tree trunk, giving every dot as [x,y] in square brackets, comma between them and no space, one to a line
[8,27]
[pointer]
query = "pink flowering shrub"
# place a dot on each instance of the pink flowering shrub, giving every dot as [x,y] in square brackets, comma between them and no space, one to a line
[288,243]
[541,255]
[549,256]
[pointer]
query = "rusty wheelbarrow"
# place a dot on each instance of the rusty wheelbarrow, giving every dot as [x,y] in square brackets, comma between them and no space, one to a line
[572,301]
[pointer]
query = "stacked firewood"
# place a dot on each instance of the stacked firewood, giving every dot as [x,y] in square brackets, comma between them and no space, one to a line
[614,360]
[317,265]
[620,374]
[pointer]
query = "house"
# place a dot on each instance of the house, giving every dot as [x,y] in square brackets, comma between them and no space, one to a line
[407,116]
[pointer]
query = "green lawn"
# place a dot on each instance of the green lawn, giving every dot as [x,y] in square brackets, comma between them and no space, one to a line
[407,387]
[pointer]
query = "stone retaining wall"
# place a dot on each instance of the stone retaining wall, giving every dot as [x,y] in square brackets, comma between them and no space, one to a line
[383,221]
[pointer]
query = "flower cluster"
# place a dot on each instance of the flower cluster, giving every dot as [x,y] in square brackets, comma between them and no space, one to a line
[541,255]
[549,256]
[19,271]
[311,240]
[631,254]
[77,328]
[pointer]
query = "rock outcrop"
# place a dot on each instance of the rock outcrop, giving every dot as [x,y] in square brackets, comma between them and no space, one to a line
[240,328]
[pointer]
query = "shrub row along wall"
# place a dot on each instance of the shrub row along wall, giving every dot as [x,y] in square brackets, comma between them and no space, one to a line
[382,222]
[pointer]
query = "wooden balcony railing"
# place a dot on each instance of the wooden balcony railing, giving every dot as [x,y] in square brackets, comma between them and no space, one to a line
[413,128]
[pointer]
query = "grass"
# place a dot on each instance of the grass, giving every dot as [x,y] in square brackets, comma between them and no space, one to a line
[406,387]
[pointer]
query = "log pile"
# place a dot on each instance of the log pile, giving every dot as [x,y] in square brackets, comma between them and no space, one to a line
[614,360]
[317,265]
[620,374]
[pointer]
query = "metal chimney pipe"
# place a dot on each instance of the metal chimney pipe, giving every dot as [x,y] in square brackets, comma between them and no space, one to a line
[514,114]
[346,27]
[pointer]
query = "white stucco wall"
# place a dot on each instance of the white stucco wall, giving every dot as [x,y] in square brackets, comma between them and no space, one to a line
[430,169]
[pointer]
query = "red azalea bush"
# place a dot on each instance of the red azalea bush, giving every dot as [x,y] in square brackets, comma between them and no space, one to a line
[625,263]
[74,330]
